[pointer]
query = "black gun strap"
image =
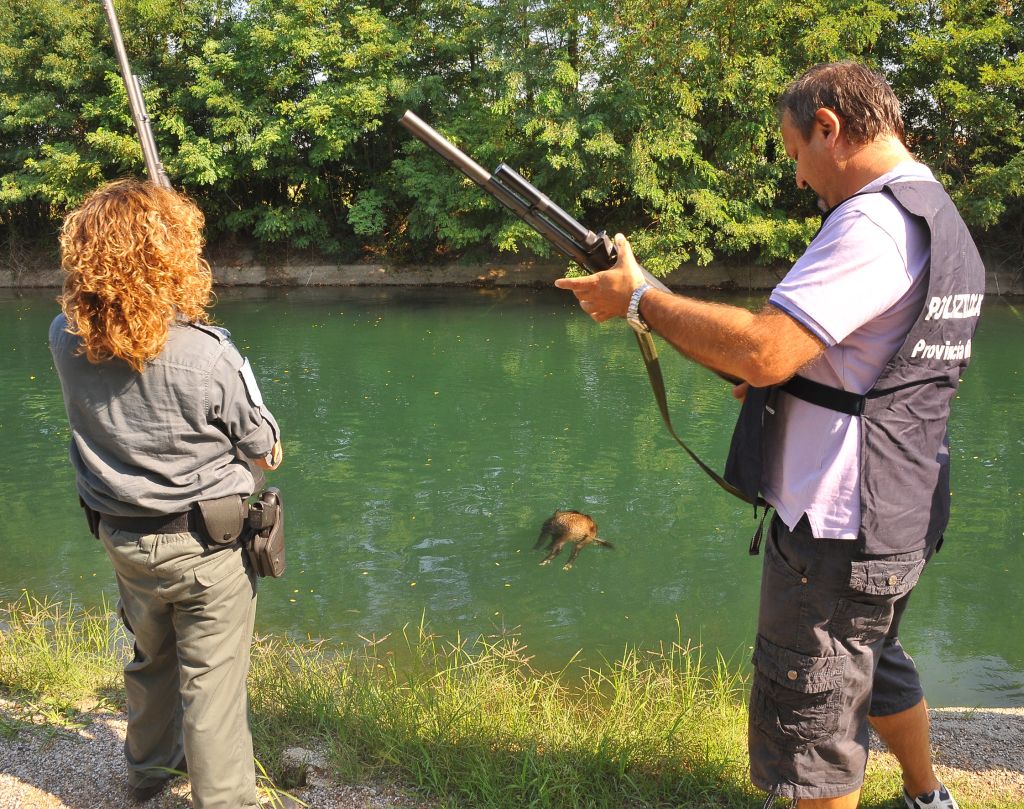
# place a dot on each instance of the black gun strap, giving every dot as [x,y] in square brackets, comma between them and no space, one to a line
[650,355]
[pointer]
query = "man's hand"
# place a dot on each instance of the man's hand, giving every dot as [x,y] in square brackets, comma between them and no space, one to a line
[606,294]
[762,348]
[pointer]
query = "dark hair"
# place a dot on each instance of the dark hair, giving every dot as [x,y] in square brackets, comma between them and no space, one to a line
[859,96]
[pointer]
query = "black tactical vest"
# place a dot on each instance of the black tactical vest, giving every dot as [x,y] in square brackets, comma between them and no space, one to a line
[904,452]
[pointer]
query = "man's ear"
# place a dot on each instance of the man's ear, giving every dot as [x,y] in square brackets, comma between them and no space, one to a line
[828,123]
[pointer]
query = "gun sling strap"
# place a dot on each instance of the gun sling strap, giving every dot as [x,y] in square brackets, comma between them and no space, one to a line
[842,401]
[650,355]
[653,366]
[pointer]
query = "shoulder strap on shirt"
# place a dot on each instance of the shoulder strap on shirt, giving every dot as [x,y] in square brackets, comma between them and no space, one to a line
[828,213]
[213,331]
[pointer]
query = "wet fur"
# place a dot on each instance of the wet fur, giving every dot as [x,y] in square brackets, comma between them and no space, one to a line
[564,527]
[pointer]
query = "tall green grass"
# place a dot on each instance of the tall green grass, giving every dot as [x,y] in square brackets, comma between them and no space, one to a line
[468,723]
[58,655]
[474,724]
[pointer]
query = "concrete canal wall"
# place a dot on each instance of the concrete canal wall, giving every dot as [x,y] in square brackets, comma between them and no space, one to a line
[248,270]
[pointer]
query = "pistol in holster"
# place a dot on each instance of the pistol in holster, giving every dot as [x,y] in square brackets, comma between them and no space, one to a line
[259,526]
[265,544]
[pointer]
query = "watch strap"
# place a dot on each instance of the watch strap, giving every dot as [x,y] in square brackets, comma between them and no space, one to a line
[633,311]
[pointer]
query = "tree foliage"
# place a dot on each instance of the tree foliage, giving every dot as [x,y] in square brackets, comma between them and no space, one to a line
[654,117]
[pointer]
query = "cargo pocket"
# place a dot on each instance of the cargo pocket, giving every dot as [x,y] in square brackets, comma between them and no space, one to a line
[795,700]
[885,577]
[218,567]
[853,620]
[877,584]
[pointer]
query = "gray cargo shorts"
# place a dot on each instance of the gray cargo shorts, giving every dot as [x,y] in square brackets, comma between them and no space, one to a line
[827,655]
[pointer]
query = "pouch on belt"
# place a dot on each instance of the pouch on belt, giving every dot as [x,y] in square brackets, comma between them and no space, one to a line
[266,526]
[223,518]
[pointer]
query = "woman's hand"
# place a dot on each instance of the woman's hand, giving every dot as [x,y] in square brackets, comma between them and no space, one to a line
[272,459]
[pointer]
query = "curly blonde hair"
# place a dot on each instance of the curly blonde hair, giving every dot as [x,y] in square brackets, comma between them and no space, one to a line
[132,252]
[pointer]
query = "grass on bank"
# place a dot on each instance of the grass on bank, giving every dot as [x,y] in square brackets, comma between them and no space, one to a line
[473,724]
[467,724]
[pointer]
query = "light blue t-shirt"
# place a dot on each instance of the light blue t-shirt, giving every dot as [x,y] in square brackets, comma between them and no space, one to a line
[859,287]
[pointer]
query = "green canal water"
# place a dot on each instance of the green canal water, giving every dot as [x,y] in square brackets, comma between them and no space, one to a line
[428,433]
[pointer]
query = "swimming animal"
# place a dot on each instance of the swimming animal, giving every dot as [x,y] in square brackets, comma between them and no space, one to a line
[569,526]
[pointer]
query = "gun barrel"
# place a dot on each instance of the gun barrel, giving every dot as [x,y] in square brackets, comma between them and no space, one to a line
[154,168]
[444,147]
[543,204]
[518,196]
[593,251]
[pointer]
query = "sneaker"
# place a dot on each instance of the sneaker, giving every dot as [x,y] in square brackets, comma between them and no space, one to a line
[937,799]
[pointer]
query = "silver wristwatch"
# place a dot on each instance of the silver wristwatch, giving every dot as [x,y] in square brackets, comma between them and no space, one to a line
[633,312]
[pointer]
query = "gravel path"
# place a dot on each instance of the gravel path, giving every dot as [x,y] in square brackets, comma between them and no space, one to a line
[43,766]
[981,751]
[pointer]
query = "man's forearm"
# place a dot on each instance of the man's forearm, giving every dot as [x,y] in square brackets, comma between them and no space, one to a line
[714,335]
[762,348]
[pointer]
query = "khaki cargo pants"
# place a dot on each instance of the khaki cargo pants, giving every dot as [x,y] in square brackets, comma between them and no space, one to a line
[192,614]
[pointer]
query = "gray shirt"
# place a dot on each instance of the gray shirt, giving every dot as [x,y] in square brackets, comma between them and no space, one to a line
[156,442]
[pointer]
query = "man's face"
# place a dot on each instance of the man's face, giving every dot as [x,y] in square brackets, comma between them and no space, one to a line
[813,160]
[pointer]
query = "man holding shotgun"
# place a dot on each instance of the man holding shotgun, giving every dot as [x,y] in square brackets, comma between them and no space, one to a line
[847,374]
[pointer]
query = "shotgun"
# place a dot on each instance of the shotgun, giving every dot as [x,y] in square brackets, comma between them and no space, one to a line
[592,251]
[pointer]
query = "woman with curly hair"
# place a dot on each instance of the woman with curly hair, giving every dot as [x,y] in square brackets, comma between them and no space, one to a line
[164,412]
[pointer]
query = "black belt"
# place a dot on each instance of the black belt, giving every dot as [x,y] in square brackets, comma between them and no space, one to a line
[163,524]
